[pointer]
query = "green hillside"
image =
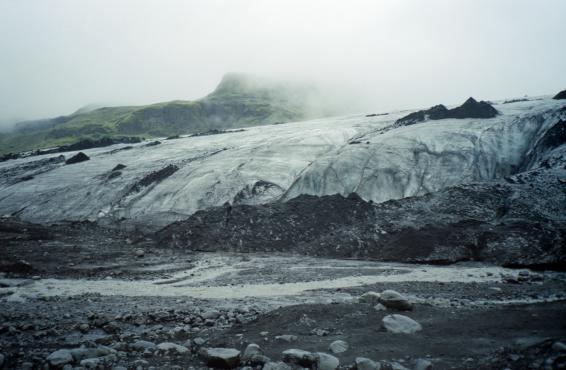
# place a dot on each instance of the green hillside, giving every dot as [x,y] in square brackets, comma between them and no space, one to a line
[238,101]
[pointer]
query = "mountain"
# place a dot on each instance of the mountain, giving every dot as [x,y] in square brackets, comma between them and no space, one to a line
[238,101]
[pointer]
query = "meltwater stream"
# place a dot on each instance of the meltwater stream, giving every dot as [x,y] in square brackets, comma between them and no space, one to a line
[284,279]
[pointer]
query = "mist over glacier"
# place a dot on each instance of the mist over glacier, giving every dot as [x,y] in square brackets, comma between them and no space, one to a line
[371,56]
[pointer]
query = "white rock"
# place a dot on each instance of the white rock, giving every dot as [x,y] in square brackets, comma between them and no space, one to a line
[422,364]
[199,341]
[369,297]
[168,346]
[211,314]
[363,363]
[338,346]
[286,338]
[325,361]
[60,357]
[379,307]
[399,324]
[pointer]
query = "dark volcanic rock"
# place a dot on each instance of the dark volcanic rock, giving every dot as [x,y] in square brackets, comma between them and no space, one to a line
[79,145]
[561,95]
[153,178]
[119,167]
[502,223]
[153,143]
[98,143]
[470,109]
[79,157]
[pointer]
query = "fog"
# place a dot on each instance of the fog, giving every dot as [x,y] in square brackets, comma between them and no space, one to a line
[57,56]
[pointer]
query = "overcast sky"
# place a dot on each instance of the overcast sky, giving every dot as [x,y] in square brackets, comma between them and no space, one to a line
[56,56]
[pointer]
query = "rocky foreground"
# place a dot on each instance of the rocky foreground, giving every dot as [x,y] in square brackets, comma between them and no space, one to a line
[132,303]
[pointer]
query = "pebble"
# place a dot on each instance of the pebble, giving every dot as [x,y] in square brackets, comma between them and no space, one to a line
[286,338]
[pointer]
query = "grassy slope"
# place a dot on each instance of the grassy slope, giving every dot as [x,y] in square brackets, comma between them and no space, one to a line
[235,103]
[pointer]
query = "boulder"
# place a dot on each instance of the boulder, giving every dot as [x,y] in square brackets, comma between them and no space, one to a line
[395,300]
[226,358]
[60,358]
[338,346]
[325,361]
[399,324]
[561,95]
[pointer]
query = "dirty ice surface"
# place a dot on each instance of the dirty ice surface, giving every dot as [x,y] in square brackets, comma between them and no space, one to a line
[367,155]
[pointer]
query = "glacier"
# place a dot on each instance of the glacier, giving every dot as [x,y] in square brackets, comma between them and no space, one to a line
[338,155]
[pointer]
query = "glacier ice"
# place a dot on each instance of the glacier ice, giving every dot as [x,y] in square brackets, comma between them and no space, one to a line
[276,162]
